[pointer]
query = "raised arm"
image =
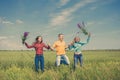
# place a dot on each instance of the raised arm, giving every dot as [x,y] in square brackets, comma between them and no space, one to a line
[29,46]
[88,39]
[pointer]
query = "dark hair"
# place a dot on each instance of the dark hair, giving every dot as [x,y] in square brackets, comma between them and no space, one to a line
[37,39]
[60,34]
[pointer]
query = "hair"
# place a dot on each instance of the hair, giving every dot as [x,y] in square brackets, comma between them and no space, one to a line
[60,34]
[76,37]
[37,39]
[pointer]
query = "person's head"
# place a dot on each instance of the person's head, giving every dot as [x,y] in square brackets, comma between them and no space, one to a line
[61,36]
[77,39]
[39,39]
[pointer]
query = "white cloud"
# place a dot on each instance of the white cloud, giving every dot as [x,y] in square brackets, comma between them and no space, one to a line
[65,15]
[60,19]
[3,37]
[18,21]
[93,8]
[91,23]
[4,21]
[9,43]
[63,2]
[7,22]
[101,3]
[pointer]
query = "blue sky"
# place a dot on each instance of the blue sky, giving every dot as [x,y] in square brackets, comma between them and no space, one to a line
[51,17]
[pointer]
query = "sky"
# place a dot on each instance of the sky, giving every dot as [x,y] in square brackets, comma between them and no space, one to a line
[48,18]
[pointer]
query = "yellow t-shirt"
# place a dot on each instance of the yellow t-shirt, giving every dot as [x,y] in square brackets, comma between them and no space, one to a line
[60,47]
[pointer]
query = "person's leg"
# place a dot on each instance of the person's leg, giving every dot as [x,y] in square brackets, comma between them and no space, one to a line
[42,63]
[66,59]
[62,60]
[75,60]
[36,63]
[81,60]
[58,58]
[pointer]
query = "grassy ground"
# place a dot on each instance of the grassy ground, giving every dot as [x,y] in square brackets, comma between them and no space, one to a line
[98,65]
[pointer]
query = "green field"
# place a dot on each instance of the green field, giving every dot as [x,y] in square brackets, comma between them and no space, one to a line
[98,65]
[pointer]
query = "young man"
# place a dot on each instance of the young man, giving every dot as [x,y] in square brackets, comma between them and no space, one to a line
[60,47]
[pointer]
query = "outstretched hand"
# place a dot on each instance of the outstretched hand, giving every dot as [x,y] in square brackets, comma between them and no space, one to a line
[71,43]
[50,47]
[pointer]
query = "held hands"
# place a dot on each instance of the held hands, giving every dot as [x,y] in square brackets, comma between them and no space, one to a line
[71,43]
[49,47]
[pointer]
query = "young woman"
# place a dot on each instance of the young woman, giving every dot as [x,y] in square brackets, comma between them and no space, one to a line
[38,45]
[76,46]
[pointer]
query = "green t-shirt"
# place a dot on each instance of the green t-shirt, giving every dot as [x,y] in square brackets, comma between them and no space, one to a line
[77,46]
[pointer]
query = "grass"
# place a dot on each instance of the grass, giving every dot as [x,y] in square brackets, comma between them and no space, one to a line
[98,65]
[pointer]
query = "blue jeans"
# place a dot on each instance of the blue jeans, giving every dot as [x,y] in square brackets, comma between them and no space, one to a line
[62,59]
[76,58]
[39,58]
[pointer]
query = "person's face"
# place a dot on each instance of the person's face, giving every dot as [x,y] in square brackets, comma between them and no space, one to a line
[77,39]
[39,39]
[61,37]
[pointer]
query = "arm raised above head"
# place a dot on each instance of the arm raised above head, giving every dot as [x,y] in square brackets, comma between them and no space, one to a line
[88,39]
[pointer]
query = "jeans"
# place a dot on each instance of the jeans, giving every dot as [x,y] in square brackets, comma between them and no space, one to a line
[62,59]
[76,58]
[39,58]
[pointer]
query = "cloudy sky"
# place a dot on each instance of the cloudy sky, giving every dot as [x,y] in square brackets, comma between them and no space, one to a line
[51,17]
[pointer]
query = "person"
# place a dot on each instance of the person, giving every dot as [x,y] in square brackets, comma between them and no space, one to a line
[60,47]
[76,45]
[38,45]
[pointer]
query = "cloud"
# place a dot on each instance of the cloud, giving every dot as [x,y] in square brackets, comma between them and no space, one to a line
[65,15]
[9,43]
[7,22]
[3,38]
[101,3]
[60,19]
[93,8]
[4,21]
[18,21]
[63,2]
[91,23]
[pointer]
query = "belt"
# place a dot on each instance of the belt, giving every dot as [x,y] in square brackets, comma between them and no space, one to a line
[39,54]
